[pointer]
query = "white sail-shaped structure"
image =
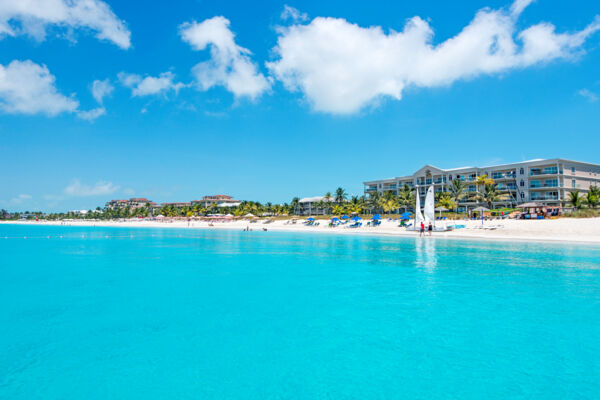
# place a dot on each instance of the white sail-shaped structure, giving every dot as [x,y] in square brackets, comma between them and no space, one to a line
[418,215]
[430,206]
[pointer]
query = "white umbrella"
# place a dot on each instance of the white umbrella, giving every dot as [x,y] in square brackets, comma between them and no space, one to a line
[440,209]
[481,210]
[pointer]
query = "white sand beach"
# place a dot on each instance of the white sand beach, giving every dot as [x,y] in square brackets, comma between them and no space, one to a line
[581,230]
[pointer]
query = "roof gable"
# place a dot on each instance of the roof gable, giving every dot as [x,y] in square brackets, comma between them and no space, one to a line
[433,170]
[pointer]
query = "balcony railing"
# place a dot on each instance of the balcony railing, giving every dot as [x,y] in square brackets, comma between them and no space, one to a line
[503,176]
[536,172]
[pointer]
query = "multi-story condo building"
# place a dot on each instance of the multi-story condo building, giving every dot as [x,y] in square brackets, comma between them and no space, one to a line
[177,204]
[543,181]
[133,203]
[217,199]
[314,205]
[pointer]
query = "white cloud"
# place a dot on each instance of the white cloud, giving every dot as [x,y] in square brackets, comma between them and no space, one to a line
[32,17]
[29,88]
[341,67]
[92,114]
[101,89]
[20,199]
[293,14]
[76,188]
[230,65]
[588,94]
[149,85]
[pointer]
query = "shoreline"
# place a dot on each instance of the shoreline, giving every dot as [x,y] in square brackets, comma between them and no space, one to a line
[565,230]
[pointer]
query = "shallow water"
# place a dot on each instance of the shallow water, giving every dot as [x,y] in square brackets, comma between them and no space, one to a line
[119,313]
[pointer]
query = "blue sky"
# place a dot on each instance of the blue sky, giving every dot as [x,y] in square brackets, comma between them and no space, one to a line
[270,100]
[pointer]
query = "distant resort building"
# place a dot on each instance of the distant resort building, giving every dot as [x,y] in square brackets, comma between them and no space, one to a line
[133,203]
[219,200]
[314,205]
[177,204]
[543,181]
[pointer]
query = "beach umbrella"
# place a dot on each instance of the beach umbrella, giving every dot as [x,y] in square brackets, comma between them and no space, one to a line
[357,218]
[249,215]
[376,216]
[335,219]
[481,210]
[406,215]
[345,217]
[440,209]
[310,219]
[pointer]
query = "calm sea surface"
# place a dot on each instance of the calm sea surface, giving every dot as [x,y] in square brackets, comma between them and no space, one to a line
[117,313]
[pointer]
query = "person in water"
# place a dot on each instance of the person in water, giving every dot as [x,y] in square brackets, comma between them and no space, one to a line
[422,229]
[430,228]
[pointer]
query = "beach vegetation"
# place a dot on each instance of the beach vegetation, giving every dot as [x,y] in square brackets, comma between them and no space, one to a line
[592,197]
[447,201]
[406,197]
[575,199]
[458,190]
[340,195]
[489,194]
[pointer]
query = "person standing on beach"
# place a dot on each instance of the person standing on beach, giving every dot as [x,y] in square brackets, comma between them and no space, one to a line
[430,229]
[422,229]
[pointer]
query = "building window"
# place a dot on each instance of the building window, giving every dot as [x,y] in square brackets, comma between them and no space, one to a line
[521,171]
[534,184]
[574,183]
[522,196]
[572,170]
[522,183]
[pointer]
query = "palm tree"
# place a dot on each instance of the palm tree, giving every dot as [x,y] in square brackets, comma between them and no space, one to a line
[406,197]
[355,205]
[447,201]
[340,195]
[373,201]
[576,199]
[338,210]
[593,196]
[490,194]
[458,190]
[294,204]
[388,202]
[483,180]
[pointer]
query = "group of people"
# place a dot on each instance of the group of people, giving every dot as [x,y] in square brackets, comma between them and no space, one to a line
[429,228]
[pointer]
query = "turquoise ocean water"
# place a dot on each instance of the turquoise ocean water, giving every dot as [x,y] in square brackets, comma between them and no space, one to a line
[117,313]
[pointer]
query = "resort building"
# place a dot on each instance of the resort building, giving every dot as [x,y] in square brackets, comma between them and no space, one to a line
[314,205]
[219,200]
[133,203]
[177,204]
[543,181]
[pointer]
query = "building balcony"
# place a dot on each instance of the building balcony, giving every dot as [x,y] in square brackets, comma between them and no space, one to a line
[544,187]
[543,172]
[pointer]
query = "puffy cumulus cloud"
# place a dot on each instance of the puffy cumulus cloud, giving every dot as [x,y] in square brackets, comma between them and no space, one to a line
[101,89]
[32,17]
[341,67]
[78,189]
[293,14]
[230,65]
[149,85]
[29,88]
[92,114]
